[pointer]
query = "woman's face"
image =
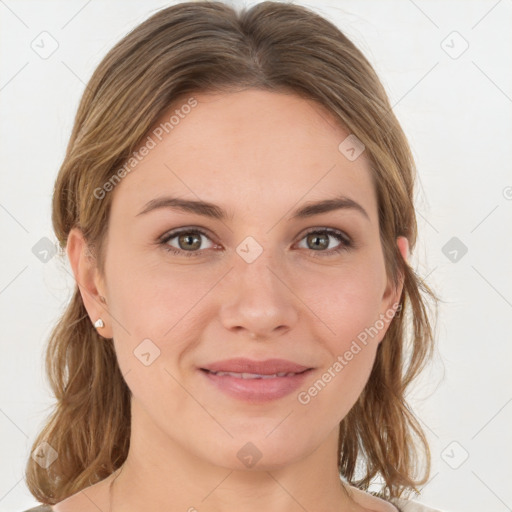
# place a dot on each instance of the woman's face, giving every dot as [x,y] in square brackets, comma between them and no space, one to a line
[252,284]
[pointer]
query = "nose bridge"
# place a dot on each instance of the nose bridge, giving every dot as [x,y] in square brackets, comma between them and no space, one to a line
[257,270]
[258,299]
[260,275]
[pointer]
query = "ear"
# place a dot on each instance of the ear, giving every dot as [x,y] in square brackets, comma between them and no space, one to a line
[89,280]
[392,294]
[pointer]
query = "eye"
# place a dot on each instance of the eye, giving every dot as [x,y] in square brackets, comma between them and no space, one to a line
[188,241]
[319,240]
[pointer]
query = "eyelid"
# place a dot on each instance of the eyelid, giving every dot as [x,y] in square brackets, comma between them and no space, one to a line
[328,230]
[178,231]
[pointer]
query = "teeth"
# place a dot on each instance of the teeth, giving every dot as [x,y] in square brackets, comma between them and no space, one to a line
[253,375]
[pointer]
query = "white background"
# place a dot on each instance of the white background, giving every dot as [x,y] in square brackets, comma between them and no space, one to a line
[457,115]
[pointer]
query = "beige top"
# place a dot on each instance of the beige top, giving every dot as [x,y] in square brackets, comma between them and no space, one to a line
[398,504]
[363,498]
[371,502]
[412,506]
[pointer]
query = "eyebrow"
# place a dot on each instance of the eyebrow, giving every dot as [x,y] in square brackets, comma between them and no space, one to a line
[214,211]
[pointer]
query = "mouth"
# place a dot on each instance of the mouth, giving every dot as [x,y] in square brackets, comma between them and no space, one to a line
[254,375]
[244,366]
[256,388]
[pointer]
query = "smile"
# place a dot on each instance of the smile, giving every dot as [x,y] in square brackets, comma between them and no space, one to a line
[254,387]
[254,375]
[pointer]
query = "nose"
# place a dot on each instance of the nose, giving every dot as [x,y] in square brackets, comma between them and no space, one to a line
[258,299]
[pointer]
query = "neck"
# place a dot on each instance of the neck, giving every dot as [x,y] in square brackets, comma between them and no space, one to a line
[159,474]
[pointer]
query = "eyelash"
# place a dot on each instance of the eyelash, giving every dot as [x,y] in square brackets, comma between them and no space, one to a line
[345,245]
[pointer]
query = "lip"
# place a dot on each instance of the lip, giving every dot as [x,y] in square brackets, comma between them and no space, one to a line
[256,390]
[266,367]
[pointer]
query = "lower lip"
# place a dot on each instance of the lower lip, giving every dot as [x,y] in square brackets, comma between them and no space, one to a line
[257,390]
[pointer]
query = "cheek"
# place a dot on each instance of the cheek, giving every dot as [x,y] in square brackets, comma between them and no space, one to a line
[349,327]
[153,299]
[336,386]
[157,318]
[346,301]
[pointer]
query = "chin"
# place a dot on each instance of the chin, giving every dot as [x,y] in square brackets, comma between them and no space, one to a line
[256,453]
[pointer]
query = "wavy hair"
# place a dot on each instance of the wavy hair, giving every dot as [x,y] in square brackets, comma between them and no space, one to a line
[194,47]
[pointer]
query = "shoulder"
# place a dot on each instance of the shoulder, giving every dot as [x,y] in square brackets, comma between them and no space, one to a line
[366,499]
[412,506]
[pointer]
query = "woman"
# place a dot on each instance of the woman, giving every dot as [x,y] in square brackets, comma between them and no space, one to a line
[236,203]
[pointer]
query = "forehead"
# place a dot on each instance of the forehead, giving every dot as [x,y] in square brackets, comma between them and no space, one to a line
[248,151]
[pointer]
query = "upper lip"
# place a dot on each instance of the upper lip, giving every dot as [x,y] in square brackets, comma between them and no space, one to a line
[267,367]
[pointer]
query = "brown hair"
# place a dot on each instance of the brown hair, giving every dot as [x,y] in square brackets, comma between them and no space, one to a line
[209,47]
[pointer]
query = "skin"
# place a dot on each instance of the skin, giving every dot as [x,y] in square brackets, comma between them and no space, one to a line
[259,155]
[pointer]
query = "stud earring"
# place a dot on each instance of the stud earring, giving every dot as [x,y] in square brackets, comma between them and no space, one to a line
[99,323]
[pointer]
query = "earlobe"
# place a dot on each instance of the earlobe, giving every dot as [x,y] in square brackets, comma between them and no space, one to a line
[88,279]
[403,245]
